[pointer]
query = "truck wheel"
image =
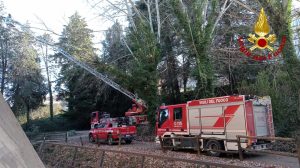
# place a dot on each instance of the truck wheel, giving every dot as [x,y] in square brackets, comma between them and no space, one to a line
[213,145]
[128,141]
[91,139]
[110,140]
[169,143]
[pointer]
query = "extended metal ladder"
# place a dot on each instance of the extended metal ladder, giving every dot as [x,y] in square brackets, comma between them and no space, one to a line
[11,23]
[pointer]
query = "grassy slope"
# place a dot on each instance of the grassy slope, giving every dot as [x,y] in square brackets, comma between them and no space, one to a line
[40,120]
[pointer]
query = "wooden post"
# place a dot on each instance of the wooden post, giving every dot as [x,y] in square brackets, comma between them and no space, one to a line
[97,140]
[40,148]
[81,141]
[120,138]
[143,160]
[198,145]
[161,144]
[102,159]
[74,156]
[40,151]
[298,146]
[240,148]
[66,139]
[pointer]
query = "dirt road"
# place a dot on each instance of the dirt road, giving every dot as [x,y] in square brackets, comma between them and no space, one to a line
[154,148]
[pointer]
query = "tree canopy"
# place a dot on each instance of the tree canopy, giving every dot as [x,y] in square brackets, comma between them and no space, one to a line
[168,52]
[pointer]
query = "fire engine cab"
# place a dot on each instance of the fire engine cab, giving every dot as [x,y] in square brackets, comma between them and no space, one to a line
[219,117]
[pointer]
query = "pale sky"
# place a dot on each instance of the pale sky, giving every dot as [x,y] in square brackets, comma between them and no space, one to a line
[55,14]
[296,3]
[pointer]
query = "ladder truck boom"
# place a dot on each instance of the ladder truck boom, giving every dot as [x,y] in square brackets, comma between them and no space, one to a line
[139,102]
[95,73]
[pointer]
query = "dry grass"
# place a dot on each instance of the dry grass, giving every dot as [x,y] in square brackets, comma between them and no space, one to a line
[41,113]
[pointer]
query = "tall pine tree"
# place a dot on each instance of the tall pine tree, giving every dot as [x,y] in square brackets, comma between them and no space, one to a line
[77,85]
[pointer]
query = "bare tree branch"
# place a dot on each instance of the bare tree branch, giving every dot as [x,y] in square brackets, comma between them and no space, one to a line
[117,7]
[46,27]
[149,15]
[130,15]
[127,46]
[223,10]
[245,6]
[158,20]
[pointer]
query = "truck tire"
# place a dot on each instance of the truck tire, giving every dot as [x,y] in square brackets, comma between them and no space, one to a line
[91,139]
[168,142]
[215,145]
[128,141]
[110,140]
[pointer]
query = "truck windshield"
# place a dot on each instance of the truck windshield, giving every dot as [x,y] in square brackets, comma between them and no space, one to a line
[101,125]
[163,116]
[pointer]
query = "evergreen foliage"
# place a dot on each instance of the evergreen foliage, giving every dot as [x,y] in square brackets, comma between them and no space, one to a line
[188,52]
[197,33]
[76,85]
[22,81]
[143,69]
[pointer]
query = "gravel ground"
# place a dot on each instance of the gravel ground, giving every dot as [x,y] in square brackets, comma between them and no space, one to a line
[153,148]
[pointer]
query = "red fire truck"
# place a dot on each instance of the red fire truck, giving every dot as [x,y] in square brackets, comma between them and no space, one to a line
[111,129]
[136,112]
[99,117]
[219,117]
